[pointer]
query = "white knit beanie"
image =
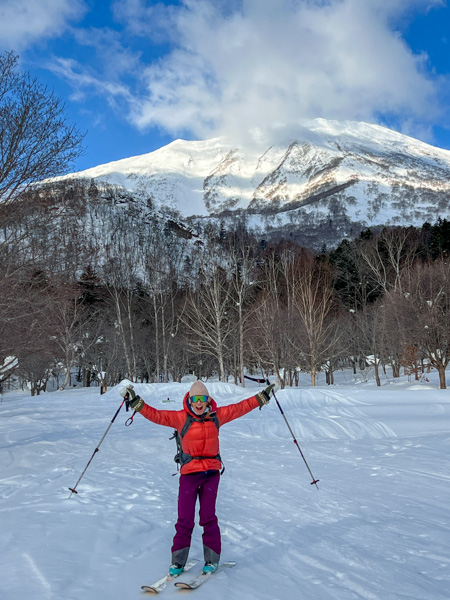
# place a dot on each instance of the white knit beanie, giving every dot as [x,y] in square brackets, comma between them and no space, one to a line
[198,388]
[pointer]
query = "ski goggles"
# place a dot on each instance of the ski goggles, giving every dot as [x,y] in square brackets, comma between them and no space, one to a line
[199,398]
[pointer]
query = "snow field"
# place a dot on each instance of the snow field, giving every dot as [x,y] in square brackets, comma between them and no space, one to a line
[377,528]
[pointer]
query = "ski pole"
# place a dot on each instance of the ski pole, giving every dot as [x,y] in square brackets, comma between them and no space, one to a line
[258,380]
[74,489]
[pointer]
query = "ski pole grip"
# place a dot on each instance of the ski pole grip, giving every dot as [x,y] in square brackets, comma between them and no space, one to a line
[256,379]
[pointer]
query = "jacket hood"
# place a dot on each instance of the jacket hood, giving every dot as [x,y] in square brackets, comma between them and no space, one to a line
[187,408]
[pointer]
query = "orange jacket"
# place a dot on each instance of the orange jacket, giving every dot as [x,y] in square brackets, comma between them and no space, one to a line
[202,437]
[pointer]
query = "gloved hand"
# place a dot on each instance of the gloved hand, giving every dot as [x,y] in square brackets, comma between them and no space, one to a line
[128,391]
[264,396]
[134,401]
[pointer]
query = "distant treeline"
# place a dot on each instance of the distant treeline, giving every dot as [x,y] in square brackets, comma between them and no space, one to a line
[98,282]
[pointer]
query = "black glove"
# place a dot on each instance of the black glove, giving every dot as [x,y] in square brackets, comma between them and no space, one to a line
[133,400]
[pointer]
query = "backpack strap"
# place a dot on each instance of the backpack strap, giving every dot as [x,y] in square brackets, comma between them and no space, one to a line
[190,419]
[187,424]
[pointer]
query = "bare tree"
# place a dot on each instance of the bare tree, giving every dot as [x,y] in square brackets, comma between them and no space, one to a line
[371,330]
[123,303]
[36,139]
[426,301]
[22,309]
[273,320]
[36,370]
[242,265]
[316,310]
[398,335]
[162,261]
[207,312]
[387,255]
[270,344]
[69,324]
[123,273]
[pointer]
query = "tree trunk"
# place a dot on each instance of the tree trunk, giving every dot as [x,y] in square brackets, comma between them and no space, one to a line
[221,365]
[442,382]
[86,377]
[313,376]
[241,347]
[377,373]
[122,331]
[155,314]
[66,380]
[69,365]
[395,369]
[165,342]
[220,357]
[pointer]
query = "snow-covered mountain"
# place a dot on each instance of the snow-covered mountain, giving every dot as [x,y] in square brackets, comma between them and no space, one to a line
[332,178]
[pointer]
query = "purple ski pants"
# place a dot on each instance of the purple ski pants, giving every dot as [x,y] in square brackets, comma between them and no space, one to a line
[203,486]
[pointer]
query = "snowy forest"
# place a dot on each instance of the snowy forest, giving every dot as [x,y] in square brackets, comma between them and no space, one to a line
[98,286]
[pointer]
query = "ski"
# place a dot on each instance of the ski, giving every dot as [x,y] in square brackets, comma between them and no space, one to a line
[200,579]
[159,585]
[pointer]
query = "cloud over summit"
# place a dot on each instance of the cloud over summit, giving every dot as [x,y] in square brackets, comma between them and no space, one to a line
[260,64]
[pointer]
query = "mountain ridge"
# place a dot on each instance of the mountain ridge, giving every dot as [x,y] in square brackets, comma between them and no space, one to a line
[355,175]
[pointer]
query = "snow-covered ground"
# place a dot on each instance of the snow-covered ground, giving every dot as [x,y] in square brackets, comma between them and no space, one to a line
[378,528]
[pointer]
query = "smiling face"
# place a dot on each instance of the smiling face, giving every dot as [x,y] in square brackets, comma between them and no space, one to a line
[199,404]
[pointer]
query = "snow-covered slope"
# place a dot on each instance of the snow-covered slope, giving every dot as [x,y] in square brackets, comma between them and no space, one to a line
[377,528]
[322,173]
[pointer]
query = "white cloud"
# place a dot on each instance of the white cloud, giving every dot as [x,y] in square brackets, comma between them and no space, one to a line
[259,63]
[111,57]
[106,71]
[155,21]
[82,79]
[23,22]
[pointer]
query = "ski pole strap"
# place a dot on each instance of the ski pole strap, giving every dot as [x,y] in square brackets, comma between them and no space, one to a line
[129,421]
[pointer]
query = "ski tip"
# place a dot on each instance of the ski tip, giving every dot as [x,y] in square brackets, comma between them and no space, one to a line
[182,586]
[148,590]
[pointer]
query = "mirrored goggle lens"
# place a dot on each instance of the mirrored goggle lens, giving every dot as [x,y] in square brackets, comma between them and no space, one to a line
[199,398]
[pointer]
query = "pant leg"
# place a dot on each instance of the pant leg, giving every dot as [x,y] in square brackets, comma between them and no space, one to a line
[187,497]
[208,518]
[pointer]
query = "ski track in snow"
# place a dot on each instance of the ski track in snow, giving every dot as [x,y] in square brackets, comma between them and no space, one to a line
[378,528]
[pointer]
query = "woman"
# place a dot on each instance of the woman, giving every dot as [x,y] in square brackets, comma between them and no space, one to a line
[197,425]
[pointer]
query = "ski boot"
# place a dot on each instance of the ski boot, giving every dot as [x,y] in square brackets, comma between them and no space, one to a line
[210,567]
[175,570]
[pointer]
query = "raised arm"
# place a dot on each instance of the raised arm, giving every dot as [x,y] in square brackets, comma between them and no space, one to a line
[228,413]
[168,418]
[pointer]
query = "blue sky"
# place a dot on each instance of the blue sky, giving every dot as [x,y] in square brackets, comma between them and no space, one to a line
[136,74]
